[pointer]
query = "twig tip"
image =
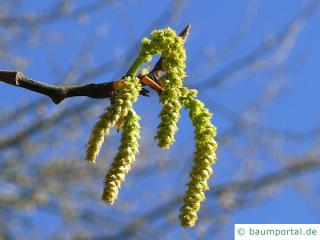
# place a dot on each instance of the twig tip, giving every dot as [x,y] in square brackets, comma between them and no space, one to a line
[185,32]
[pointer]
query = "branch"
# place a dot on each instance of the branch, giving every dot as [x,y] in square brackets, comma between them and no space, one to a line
[102,90]
[270,43]
[57,12]
[58,94]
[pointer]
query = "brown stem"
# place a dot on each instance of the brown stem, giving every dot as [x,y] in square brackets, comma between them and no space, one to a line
[92,90]
[56,93]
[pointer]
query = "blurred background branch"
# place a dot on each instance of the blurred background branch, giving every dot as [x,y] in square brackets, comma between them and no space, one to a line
[255,67]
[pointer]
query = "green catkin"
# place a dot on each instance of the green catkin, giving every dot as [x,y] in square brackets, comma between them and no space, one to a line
[204,157]
[125,157]
[122,103]
[171,47]
[174,96]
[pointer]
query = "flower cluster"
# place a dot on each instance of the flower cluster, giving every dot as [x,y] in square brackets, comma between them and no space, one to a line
[174,95]
[119,107]
[121,164]
[171,47]
[204,157]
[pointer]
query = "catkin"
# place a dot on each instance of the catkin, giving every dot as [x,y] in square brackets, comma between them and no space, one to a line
[122,103]
[173,97]
[125,157]
[171,47]
[204,158]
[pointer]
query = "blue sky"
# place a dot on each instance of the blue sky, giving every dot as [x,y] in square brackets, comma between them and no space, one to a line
[115,30]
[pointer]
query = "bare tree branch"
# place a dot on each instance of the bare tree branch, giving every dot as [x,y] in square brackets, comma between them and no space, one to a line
[92,90]
[57,12]
[58,94]
[267,45]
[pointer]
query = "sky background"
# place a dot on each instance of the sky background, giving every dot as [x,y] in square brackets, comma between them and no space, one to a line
[222,32]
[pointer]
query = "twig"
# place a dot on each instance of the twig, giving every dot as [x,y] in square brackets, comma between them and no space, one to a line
[102,90]
[267,45]
[55,13]
[57,94]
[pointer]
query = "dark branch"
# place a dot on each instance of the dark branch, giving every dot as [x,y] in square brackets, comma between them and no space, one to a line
[92,90]
[57,94]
